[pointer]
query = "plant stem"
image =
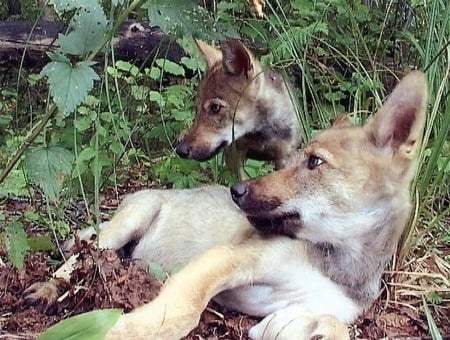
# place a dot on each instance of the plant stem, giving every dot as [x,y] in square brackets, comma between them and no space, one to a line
[28,140]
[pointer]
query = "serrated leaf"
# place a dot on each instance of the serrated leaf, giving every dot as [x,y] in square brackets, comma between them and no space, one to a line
[86,28]
[69,84]
[48,167]
[187,18]
[87,326]
[16,244]
[57,56]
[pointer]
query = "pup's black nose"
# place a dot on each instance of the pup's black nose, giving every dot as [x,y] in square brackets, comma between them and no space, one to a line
[239,190]
[183,150]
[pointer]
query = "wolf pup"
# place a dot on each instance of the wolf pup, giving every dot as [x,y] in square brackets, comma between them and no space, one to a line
[303,247]
[239,102]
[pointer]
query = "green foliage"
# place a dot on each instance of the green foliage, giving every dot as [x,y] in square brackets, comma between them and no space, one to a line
[69,84]
[16,243]
[433,329]
[87,326]
[14,184]
[87,26]
[48,167]
[186,17]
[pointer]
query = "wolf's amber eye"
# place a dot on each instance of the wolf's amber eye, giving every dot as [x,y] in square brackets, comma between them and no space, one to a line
[314,162]
[215,108]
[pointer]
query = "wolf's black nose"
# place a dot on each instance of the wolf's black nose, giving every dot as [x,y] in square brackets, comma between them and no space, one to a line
[238,190]
[183,150]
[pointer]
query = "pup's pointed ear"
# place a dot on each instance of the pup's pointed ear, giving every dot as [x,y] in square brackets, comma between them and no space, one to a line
[398,125]
[237,59]
[210,54]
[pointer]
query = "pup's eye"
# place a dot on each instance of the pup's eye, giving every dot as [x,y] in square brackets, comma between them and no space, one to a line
[314,162]
[215,108]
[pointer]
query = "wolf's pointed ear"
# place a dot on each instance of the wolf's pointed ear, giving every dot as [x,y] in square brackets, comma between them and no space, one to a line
[237,59]
[210,54]
[399,123]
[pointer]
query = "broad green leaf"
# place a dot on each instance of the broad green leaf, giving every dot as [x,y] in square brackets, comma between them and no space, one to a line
[187,18]
[170,67]
[87,326]
[190,63]
[16,244]
[48,167]
[154,73]
[69,84]
[86,154]
[127,67]
[86,28]
[116,147]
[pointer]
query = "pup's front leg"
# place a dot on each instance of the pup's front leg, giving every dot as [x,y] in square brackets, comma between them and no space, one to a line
[294,322]
[166,317]
[177,309]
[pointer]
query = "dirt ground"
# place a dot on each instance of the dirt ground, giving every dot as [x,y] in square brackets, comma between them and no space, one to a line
[106,280]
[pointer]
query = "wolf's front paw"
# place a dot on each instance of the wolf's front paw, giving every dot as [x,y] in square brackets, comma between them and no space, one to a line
[160,319]
[288,324]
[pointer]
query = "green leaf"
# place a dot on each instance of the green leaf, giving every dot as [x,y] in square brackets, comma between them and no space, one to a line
[86,154]
[140,92]
[86,28]
[433,329]
[48,167]
[170,67]
[14,184]
[69,84]
[157,271]
[190,63]
[187,18]
[116,147]
[127,67]
[154,73]
[157,98]
[16,244]
[41,243]
[87,326]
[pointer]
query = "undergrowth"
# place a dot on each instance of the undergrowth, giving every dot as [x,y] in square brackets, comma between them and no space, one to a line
[86,119]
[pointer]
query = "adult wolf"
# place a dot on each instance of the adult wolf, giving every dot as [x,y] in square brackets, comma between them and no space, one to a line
[303,247]
[239,102]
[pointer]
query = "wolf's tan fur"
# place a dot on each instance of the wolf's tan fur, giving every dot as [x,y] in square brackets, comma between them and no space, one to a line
[307,247]
[238,101]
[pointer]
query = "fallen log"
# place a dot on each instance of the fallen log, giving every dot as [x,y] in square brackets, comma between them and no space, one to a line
[136,42]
